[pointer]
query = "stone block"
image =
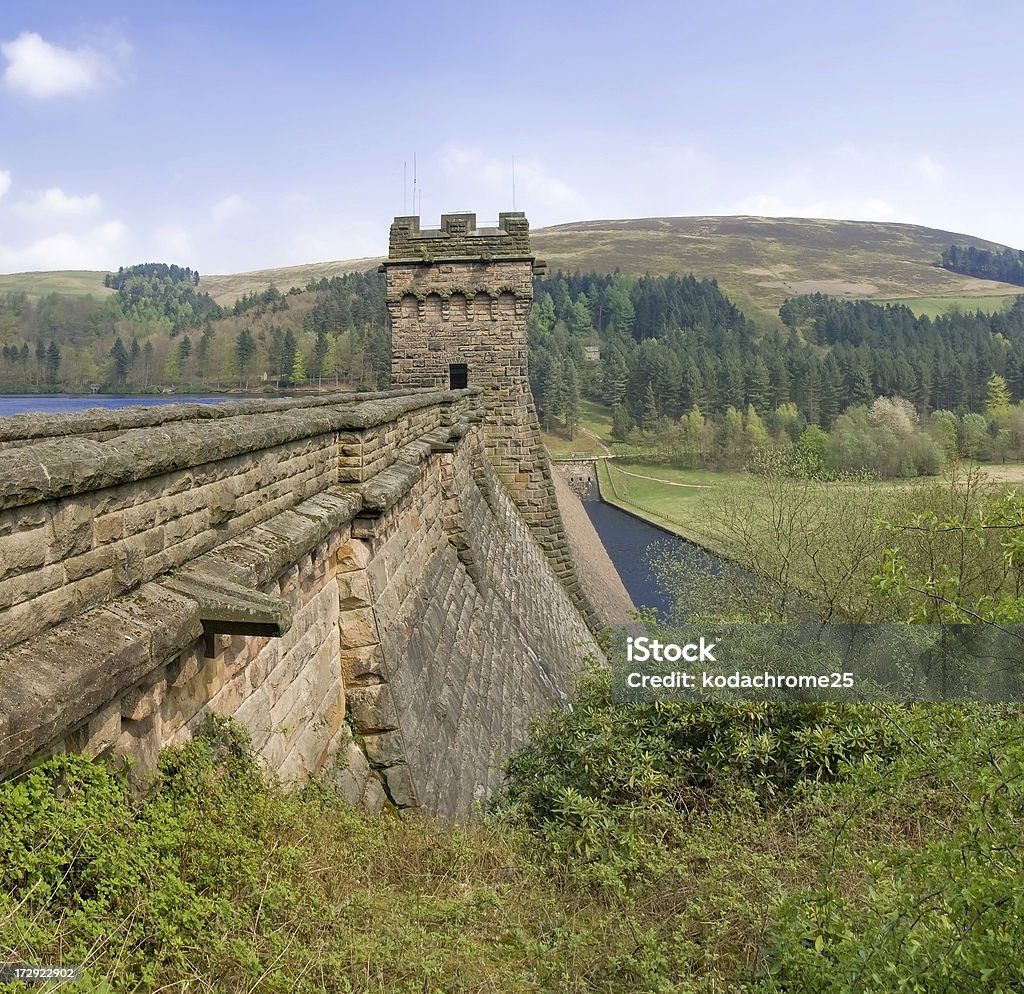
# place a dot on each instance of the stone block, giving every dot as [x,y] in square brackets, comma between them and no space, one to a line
[384,749]
[108,528]
[354,554]
[69,529]
[184,667]
[22,551]
[400,787]
[142,741]
[104,730]
[372,708]
[363,664]
[140,702]
[353,590]
[357,628]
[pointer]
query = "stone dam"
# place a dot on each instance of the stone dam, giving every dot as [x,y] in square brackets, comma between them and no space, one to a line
[377,586]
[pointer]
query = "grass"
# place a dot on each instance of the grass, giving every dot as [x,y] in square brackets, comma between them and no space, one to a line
[227,289]
[933,307]
[71,282]
[592,437]
[635,879]
[675,499]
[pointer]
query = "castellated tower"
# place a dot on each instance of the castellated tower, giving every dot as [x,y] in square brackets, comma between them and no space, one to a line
[459,297]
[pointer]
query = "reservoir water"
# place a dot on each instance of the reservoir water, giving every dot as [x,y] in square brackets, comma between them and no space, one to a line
[61,403]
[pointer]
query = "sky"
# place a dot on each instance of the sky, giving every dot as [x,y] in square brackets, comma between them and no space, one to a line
[240,135]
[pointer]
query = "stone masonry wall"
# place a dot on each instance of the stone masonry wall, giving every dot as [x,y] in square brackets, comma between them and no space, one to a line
[474,635]
[83,520]
[393,587]
[445,309]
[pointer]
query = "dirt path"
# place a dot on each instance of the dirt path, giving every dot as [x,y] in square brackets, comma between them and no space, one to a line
[597,438]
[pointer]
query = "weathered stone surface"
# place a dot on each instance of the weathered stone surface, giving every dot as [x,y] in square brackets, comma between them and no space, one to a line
[372,709]
[449,310]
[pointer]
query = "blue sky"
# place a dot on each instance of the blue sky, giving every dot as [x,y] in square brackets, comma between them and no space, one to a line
[237,135]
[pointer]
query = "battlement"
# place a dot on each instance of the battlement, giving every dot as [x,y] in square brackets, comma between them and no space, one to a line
[460,238]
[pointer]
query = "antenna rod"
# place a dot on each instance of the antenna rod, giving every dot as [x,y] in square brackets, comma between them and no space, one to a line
[513,181]
[414,183]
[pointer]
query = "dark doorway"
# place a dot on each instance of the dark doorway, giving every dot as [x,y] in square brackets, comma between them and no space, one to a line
[458,376]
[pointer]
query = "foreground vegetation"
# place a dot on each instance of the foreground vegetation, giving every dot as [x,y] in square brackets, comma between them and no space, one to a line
[648,847]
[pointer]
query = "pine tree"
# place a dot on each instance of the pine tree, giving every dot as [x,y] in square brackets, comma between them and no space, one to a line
[571,398]
[651,418]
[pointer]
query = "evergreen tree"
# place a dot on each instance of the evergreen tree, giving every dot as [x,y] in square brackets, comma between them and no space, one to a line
[52,363]
[571,398]
[651,418]
[245,352]
[122,360]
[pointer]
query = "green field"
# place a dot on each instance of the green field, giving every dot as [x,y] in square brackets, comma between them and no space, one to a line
[932,307]
[678,500]
[71,282]
[592,437]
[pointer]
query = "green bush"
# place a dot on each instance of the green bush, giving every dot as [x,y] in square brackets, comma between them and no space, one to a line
[946,917]
[607,782]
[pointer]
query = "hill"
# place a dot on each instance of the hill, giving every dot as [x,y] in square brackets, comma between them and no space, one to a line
[225,290]
[68,282]
[759,261]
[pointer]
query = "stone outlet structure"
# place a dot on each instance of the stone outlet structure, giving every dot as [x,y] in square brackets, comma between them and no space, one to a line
[373,584]
[458,297]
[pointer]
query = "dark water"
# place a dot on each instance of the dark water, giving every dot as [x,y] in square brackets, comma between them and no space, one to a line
[630,541]
[41,403]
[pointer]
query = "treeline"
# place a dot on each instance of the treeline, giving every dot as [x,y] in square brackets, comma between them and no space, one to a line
[669,345]
[332,333]
[156,289]
[887,439]
[1007,266]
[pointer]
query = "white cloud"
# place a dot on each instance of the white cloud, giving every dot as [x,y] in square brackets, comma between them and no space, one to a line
[227,208]
[173,243]
[845,209]
[535,187]
[5,181]
[102,247]
[42,70]
[929,170]
[56,203]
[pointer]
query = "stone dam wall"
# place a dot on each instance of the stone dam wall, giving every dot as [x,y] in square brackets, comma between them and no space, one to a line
[347,576]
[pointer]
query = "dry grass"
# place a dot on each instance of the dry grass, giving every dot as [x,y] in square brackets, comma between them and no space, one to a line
[760,261]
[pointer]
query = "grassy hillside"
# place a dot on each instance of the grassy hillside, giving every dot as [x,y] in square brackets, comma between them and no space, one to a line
[760,261]
[71,282]
[227,289]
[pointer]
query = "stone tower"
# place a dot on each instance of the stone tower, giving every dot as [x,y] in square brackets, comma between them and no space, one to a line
[458,297]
